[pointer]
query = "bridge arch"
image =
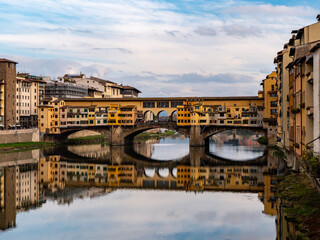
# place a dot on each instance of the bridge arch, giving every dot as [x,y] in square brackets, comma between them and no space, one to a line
[163,116]
[129,134]
[149,116]
[173,116]
[213,131]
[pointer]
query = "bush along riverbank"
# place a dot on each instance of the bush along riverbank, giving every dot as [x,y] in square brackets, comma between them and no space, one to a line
[87,140]
[300,203]
[22,146]
[142,137]
[298,199]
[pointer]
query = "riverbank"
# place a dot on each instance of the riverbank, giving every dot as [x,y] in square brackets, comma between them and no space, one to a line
[142,137]
[22,146]
[300,202]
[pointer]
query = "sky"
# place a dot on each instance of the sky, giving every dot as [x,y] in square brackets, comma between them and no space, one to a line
[163,48]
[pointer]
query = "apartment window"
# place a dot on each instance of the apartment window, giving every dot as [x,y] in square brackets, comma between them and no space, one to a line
[273,103]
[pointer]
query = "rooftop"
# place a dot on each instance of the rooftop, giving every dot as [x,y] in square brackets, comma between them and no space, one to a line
[6,60]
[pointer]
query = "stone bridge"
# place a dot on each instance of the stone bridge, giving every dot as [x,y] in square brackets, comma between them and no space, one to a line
[123,135]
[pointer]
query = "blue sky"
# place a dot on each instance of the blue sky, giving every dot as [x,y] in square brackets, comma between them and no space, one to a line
[164,48]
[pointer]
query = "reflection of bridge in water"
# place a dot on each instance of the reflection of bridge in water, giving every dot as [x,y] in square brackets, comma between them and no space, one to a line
[125,168]
[71,172]
[127,155]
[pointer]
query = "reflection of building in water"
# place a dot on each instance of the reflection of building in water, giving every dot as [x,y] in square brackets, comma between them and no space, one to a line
[183,176]
[236,138]
[121,174]
[7,197]
[67,195]
[146,149]
[51,172]
[156,181]
[227,178]
[19,190]
[268,197]
[97,151]
[270,180]
[27,186]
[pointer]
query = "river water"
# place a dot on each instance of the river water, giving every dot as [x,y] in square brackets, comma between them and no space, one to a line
[161,189]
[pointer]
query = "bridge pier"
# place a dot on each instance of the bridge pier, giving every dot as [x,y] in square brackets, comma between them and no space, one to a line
[196,154]
[117,136]
[196,138]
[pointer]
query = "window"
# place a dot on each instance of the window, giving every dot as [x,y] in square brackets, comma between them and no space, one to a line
[162,104]
[148,104]
[273,103]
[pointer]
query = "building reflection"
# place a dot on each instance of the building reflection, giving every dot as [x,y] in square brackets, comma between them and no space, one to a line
[99,170]
[19,186]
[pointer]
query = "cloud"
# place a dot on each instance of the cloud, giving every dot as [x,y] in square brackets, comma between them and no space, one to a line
[205,31]
[268,9]
[122,50]
[193,84]
[183,44]
[241,31]
[65,30]
[172,33]
[216,78]
[57,67]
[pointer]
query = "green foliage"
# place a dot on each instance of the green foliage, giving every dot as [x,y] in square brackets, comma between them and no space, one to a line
[146,136]
[87,139]
[313,163]
[301,203]
[263,140]
[22,146]
[278,152]
[295,110]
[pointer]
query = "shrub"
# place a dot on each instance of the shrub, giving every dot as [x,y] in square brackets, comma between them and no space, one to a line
[312,162]
[295,110]
[263,140]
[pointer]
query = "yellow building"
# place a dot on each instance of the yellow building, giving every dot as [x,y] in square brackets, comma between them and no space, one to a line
[270,99]
[201,114]
[184,114]
[46,122]
[298,71]
[56,114]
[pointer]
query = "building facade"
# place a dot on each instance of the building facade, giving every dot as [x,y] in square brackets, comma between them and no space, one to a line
[7,93]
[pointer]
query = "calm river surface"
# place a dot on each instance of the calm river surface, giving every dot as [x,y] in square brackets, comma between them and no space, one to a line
[156,190]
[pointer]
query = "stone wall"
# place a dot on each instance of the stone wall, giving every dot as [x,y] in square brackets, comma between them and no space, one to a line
[83,133]
[20,135]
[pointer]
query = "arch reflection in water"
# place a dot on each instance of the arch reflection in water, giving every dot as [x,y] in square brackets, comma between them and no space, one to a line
[63,176]
[239,144]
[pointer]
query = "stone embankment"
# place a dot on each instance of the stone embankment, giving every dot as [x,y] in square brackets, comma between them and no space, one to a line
[19,135]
